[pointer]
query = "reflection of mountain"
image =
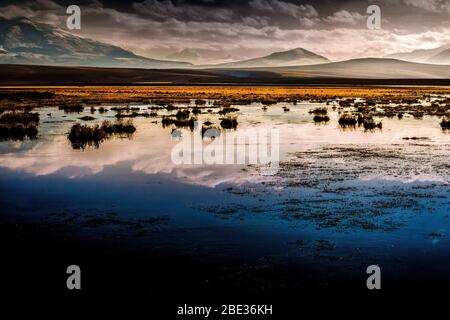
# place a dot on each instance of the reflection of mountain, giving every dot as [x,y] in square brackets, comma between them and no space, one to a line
[439,55]
[294,57]
[23,41]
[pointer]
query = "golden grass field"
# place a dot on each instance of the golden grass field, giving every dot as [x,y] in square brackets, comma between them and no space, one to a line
[210,91]
[10,97]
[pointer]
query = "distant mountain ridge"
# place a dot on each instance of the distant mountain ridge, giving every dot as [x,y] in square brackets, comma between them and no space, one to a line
[364,68]
[440,55]
[294,57]
[367,68]
[23,41]
[26,42]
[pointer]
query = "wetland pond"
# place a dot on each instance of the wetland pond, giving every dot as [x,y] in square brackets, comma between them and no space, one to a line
[342,198]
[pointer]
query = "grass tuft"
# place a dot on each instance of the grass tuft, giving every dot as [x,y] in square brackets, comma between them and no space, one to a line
[370,124]
[179,123]
[19,117]
[82,136]
[17,131]
[347,119]
[321,118]
[18,125]
[226,110]
[445,123]
[182,114]
[319,111]
[229,123]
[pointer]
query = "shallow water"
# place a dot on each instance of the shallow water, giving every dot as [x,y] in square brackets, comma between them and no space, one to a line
[344,197]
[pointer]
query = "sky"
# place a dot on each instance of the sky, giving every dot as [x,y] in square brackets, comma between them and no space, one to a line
[214,31]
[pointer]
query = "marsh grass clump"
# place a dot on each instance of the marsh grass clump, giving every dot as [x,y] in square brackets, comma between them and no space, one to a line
[180,123]
[226,110]
[125,109]
[321,118]
[18,131]
[362,108]
[182,114]
[319,111]
[346,102]
[170,107]
[360,119]
[417,115]
[118,128]
[229,123]
[167,121]
[370,124]
[320,115]
[445,123]
[87,118]
[31,131]
[19,117]
[134,114]
[82,136]
[196,111]
[18,124]
[76,108]
[347,120]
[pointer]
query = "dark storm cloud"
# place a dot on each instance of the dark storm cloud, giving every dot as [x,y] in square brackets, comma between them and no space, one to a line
[223,30]
[166,9]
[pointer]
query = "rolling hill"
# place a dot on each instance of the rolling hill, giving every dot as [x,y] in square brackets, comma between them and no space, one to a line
[294,57]
[357,71]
